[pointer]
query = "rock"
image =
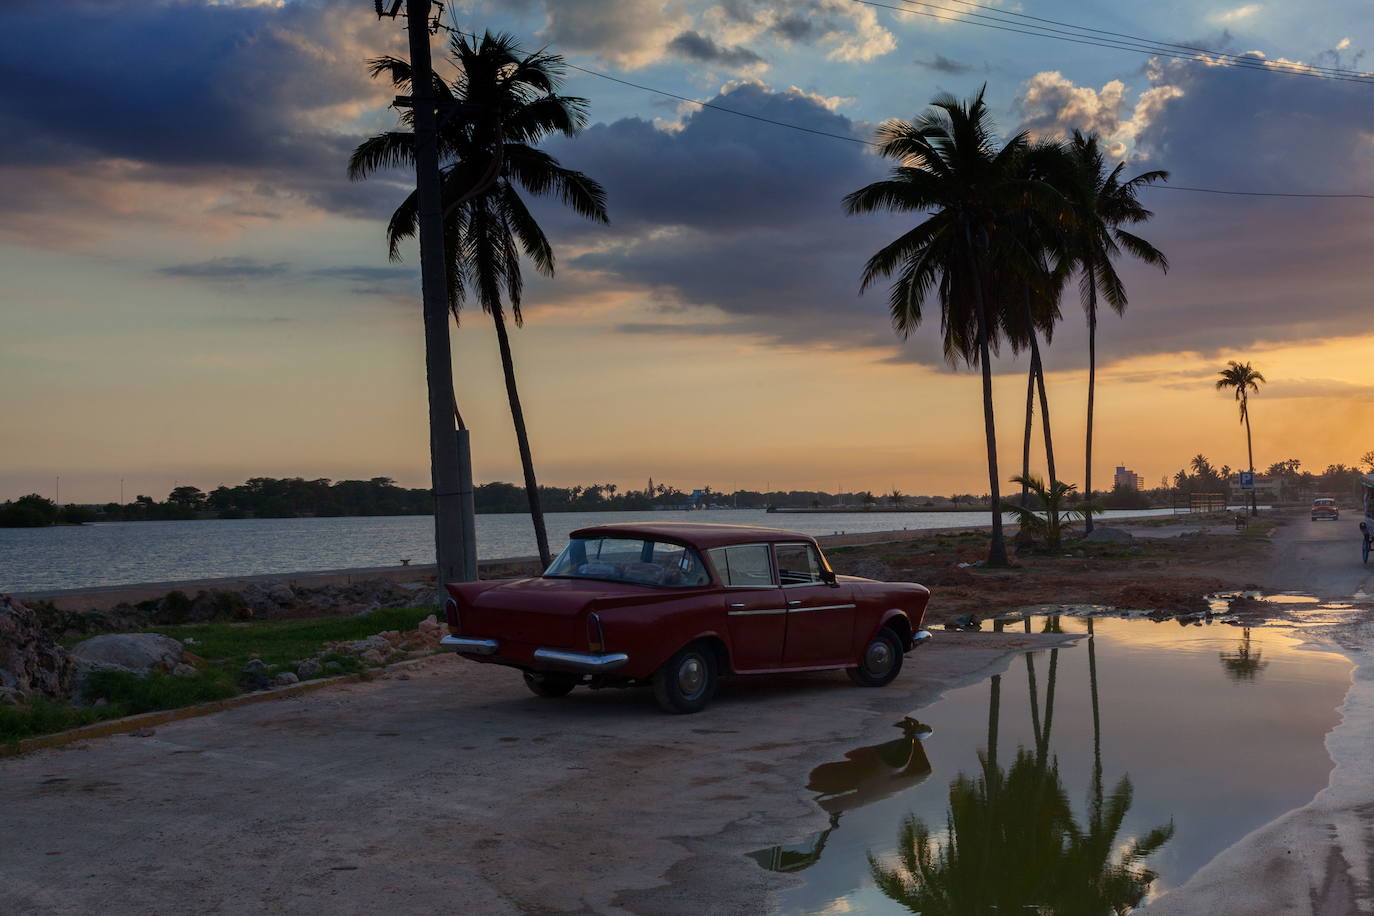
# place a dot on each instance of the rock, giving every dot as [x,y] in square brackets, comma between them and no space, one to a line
[142,653]
[10,697]
[184,670]
[285,679]
[282,594]
[309,668]
[1108,536]
[333,666]
[254,666]
[375,656]
[30,661]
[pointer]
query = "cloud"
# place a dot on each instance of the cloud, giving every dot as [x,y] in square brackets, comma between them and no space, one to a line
[1236,14]
[236,111]
[1052,106]
[848,31]
[695,46]
[941,64]
[227,269]
[627,33]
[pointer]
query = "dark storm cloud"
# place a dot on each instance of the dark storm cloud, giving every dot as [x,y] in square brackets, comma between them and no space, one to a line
[694,45]
[227,269]
[941,64]
[365,274]
[187,92]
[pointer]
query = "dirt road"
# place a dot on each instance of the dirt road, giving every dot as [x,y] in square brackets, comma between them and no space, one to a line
[1320,558]
[452,790]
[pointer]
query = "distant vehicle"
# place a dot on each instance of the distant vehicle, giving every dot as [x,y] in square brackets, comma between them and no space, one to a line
[678,604]
[1325,508]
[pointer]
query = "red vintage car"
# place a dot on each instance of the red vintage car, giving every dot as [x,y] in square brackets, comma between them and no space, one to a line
[678,604]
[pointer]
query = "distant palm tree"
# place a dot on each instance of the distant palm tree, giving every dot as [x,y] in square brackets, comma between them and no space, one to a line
[1102,203]
[1243,378]
[952,168]
[503,102]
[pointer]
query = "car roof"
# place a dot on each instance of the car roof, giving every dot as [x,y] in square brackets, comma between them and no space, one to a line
[693,533]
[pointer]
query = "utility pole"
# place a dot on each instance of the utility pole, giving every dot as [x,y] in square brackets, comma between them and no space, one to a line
[455,552]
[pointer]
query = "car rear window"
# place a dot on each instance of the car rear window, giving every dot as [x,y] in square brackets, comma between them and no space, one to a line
[633,560]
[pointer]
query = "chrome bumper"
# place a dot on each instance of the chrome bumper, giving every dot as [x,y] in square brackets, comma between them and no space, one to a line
[921,637]
[468,646]
[580,661]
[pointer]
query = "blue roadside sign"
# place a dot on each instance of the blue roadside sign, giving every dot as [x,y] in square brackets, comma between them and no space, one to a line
[1247,480]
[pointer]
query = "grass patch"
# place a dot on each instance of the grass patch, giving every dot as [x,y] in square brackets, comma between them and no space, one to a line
[280,642]
[43,717]
[226,648]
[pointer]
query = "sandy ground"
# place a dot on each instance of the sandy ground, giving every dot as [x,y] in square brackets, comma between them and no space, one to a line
[452,790]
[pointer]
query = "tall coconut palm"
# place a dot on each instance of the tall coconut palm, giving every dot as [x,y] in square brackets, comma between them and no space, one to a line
[951,167]
[1102,203]
[500,105]
[1243,378]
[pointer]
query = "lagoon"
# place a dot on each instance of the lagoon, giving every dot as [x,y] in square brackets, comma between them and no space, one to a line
[126,553]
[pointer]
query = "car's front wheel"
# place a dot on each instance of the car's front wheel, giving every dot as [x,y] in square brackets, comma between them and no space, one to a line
[687,681]
[881,662]
[551,685]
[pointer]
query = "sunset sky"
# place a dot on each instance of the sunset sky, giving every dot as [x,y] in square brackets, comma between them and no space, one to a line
[194,292]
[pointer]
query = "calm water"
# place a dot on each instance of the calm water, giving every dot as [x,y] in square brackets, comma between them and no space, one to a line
[1218,734]
[117,553]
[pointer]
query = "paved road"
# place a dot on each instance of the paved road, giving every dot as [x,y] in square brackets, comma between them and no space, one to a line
[1321,558]
[452,790]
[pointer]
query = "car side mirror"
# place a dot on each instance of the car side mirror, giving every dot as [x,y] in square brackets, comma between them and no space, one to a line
[829,578]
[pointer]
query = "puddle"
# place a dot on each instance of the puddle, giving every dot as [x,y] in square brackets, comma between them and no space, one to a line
[1083,780]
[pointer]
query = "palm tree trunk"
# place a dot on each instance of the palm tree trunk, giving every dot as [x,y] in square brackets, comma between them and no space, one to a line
[997,548]
[1092,384]
[1026,442]
[517,415]
[1250,450]
[1039,368]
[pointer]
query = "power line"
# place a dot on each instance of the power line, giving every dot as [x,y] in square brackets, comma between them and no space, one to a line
[1083,28]
[1238,63]
[869,143]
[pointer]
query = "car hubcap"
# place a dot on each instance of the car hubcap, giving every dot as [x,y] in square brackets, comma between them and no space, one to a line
[879,658]
[691,675]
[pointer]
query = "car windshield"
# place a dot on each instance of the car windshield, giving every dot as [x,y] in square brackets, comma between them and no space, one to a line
[1324,502]
[633,560]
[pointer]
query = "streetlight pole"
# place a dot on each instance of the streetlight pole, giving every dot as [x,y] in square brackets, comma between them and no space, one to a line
[452,528]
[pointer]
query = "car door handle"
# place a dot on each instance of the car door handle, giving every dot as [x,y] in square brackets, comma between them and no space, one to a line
[738,604]
[794,604]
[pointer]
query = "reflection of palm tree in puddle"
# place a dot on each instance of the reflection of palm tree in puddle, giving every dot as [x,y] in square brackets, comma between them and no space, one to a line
[1011,840]
[1246,662]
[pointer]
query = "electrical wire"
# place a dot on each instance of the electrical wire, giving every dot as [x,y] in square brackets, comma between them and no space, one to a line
[1239,63]
[834,136]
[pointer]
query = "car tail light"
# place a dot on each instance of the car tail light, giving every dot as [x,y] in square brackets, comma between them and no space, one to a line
[596,637]
[451,612]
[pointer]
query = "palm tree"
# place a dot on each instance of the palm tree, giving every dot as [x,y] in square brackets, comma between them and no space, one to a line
[1055,517]
[951,167]
[1102,203]
[501,104]
[1243,378]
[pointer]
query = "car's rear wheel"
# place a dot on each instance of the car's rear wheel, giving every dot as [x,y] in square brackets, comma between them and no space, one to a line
[881,662]
[687,681]
[550,684]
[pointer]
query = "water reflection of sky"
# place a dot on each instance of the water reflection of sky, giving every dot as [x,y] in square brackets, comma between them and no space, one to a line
[1216,735]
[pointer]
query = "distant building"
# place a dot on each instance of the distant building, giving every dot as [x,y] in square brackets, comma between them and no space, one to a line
[1126,479]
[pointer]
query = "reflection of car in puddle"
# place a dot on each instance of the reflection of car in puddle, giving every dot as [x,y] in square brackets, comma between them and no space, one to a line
[865,775]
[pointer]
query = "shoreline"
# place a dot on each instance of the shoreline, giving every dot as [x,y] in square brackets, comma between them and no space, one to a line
[99,597]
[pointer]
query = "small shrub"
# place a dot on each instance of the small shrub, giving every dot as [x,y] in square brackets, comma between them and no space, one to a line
[133,694]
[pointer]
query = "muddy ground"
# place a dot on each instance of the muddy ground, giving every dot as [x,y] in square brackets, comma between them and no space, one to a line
[1168,565]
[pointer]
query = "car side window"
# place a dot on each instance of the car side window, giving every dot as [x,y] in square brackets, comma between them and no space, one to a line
[798,564]
[743,566]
